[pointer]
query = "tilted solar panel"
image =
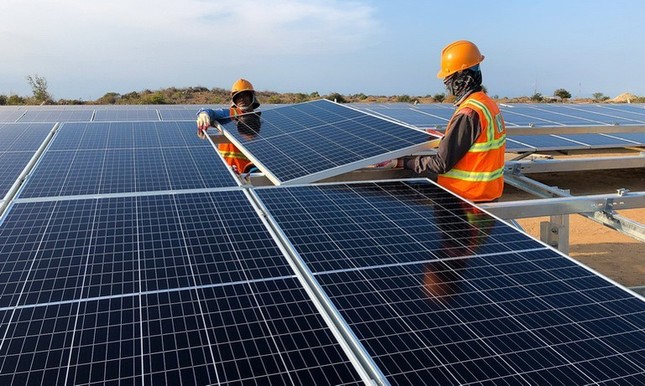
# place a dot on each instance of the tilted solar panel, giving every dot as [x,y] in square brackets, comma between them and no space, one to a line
[158,289]
[314,140]
[123,157]
[439,292]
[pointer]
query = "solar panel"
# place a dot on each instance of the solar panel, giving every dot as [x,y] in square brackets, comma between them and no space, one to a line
[408,115]
[18,145]
[439,292]
[13,163]
[635,138]
[178,115]
[57,115]
[121,115]
[597,140]
[10,115]
[124,157]
[314,140]
[548,142]
[23,136]
[166,289]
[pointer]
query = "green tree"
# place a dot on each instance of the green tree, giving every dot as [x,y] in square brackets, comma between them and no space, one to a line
[156,98]
[39,88]
[439,97]
[336,97]
[3,100]
[15,100]
[537,97]
[404,98]
[109,98]
[598,96]
[562,93]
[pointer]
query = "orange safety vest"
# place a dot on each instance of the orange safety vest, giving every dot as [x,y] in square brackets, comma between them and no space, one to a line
[231,154]
[479,175]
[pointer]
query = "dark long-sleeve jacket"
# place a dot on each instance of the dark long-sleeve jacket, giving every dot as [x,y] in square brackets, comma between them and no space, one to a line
[460,135]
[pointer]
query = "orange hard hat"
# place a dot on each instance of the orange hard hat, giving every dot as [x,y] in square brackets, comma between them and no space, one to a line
[241,85]
[458,56]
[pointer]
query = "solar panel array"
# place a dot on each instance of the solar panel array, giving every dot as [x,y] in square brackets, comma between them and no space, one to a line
[131,254]
[538,116]
[518,114]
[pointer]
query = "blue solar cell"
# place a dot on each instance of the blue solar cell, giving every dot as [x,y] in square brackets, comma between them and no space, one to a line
[115,246]
[411,115]
[100,158]
[303,142]
[635,138]
[13,163]
[512,146]
[122,115]
[620,115]
[57,115]
[180,289]
[178,115]
[547,142]
[597,140]
[23,136]
[541,116]
[439,292]
[10,115]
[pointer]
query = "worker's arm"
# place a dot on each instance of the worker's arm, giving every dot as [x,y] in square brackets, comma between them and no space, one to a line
[206,118]
[460,136]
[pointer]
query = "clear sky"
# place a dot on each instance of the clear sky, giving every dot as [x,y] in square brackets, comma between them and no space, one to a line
[86,48]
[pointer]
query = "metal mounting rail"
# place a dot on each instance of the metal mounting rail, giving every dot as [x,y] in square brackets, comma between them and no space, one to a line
[600,209]
[577,164]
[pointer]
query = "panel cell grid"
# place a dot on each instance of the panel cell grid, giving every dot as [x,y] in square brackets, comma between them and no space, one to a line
[123,157]
[440,292]
[296,143]
[126,115]
[168,289]
[57,115]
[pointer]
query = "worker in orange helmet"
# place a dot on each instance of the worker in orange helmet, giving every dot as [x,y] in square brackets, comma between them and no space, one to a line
[243,101]
[470,157]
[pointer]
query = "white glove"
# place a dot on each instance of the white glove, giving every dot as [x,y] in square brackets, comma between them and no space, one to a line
[203,121]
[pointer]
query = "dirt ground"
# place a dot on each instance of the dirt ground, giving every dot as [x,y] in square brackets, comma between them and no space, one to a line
[603,249]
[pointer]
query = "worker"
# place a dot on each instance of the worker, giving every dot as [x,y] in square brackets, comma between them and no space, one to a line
[243,101]
[470,157]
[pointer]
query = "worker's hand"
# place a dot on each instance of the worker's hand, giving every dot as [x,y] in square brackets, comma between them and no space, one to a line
[203,121]
[389,164]
[435,132]
[201,133]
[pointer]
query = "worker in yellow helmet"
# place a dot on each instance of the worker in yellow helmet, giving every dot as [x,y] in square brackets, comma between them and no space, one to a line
[243,101]
[470,157]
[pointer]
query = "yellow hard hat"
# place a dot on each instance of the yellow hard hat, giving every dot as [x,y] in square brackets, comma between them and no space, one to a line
[458,56]
[241,85]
